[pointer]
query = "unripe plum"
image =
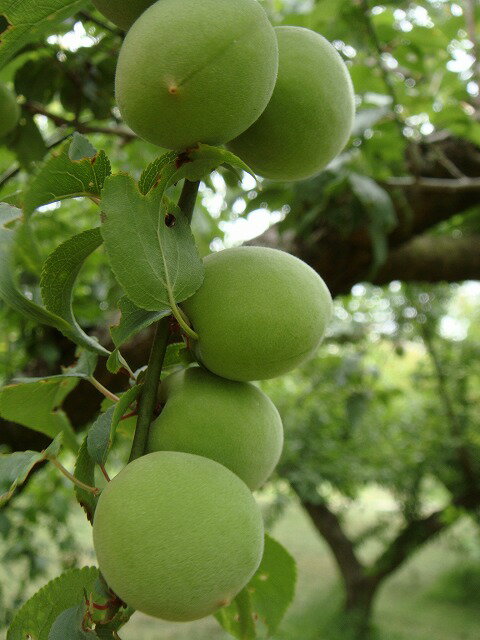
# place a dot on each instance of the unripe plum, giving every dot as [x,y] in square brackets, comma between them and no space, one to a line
[177,536]
[191,72]
[309,118]
[259,313]
[233,423]
[9,110]
[123,13]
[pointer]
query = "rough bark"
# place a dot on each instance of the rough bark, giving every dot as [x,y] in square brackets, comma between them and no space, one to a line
[421,202]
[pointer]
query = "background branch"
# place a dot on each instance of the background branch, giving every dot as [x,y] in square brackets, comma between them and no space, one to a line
[81,127]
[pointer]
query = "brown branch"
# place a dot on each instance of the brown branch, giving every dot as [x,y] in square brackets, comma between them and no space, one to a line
[436,184]
[81,127]
[329,526]
[433,258]
[410,539]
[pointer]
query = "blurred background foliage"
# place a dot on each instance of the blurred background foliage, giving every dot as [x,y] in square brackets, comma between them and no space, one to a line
[379,485]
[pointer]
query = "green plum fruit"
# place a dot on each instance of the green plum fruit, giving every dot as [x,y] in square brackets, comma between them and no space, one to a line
[9,110]
[123,13]
[259,313]
[231,422]
[191,72]
[309,118]
[177,536]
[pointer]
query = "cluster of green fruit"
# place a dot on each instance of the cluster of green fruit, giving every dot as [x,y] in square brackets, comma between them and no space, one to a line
[177,532]
[217,72]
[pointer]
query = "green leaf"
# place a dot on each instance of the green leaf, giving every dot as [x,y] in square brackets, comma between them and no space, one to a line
[35,404]
[133,320]
[204,159]
[266,597]
[80,148]
[101,434]
[15,299]
[36,617]
[151,174]
[85,472]
[58,278]
[68,173]
[29,20]
[69,625]
[156,264]
[15,467]
[193,165]
[27,142]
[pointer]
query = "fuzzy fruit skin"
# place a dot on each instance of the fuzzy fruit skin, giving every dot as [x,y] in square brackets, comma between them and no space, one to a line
[123,13]
[9,110]
[233,423]
[177,535]
[259,313]
[309,118]
[191,71]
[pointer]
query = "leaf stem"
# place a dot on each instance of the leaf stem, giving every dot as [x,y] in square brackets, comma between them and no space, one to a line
[103,390]
[72,478]
[148,398]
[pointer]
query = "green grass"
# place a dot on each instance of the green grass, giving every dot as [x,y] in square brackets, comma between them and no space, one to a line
[409,606]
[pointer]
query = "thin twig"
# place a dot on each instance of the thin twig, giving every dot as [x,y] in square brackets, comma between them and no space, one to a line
[82,127]
[440,184]
[72,478]
[103,390]
[385,72]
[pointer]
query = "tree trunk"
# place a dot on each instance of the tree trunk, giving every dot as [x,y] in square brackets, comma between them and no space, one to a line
[358,608]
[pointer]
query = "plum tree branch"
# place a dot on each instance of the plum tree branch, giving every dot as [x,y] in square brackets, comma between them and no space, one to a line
[148,398]
[433,184]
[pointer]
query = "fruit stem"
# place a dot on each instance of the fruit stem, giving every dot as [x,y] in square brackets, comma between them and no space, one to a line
[148,397]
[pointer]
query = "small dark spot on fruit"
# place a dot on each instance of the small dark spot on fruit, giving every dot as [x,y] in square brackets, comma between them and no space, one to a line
[170,220]
[173,89]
